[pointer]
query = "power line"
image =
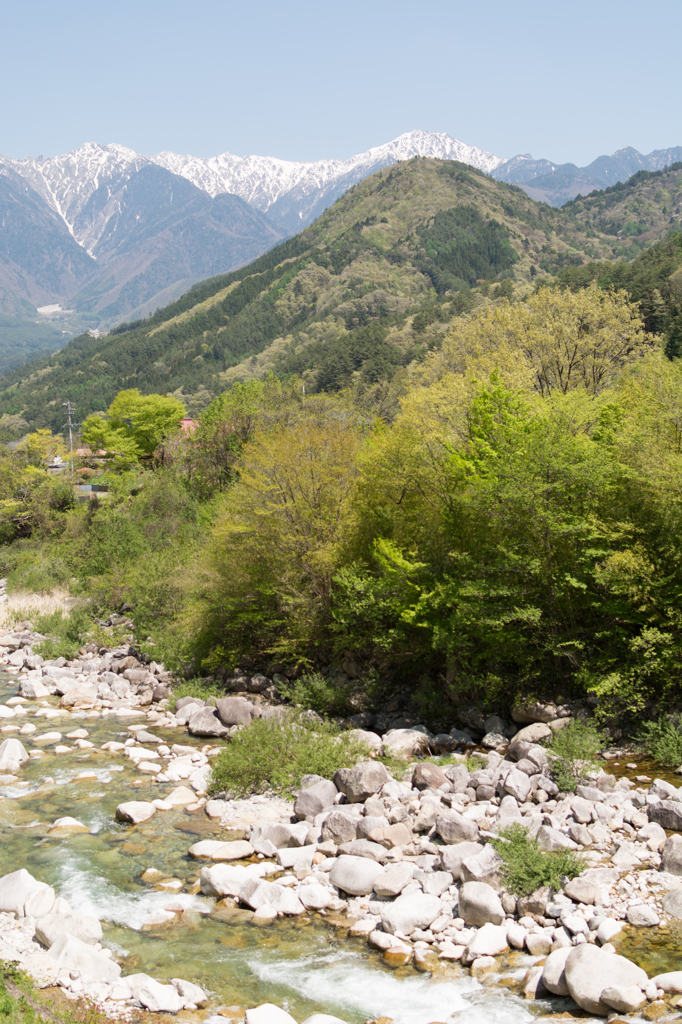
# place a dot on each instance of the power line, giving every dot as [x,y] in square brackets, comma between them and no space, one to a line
[70,410]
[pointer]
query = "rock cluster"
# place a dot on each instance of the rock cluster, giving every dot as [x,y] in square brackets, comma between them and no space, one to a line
[58,946]
[409,862]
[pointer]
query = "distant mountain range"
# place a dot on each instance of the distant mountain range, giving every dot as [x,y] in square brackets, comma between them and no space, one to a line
[109,235]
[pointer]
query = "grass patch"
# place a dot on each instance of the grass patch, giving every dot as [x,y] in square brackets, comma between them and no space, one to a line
[273,755]
[575,751]
[65,634]
[198,688]
[663,741]
[526,867]
[21,1002]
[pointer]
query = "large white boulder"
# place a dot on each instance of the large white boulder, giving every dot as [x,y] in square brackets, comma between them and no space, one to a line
[12,756]
[135,811]
[416,910]
[190,993]
[479,904]
[315,896]
[393,879]
[268,1013]
[362,781]
[23,895]
[228,879]
[53,926]
[490,940]
[553,975]
[589,970]
[160,998]
[670,982]
[355,875]
[73,955]
[407,743]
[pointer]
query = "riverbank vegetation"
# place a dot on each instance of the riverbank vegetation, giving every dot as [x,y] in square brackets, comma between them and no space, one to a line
[502,519]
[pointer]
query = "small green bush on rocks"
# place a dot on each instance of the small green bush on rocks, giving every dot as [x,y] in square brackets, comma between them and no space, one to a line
[274,755]
[65,634]
[575,750]
[526,867]
[663,741]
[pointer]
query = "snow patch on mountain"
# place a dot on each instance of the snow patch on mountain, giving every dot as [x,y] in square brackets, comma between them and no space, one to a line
[68,182]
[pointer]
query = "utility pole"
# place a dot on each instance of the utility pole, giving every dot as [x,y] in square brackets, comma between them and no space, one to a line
[70,410]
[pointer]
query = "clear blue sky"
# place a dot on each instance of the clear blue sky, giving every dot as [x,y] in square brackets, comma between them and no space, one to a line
[306,79]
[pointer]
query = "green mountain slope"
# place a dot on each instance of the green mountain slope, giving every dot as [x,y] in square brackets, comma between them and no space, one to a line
[630,217]
[370,286]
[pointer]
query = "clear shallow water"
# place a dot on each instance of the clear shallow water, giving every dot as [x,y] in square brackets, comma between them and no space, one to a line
[305,967]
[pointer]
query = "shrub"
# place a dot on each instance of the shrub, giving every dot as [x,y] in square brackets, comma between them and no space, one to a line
[315,692]
[65,634]
[269,754]
[663,741]
[575,750]
[196,688]
[526,867]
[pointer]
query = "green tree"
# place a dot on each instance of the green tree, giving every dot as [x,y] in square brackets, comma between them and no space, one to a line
[133,427]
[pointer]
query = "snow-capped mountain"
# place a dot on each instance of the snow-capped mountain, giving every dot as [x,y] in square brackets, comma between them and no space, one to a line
[292,192]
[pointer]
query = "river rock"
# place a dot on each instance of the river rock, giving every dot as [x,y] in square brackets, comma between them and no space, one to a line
[206,722]
[479,904]
[529,735]
[339,828]
[452,857]
[323,1018]
[287,903]
[182,702]
[211,849]
[32,689]
[671,855]
[362,781]
[189,992]
[608,929]
[490,940]
[589,971]
[236,711]
[416,910]
[311,801]
[181,796]
[672,902]
[314,896]
[483,867]
[670,982]
[52,926]
[257,893]
[73,955]
[533,711]
[160,998]
[517,784]
[453,827]
[365,848]
[67,826]
[642,916]
[297,858]
[135,811]
[623,999]
[429,776]
[268,1013]
[276,833]
[228,879]
[355,875]
[667,813]
[551,839]
[23,895]
[12,756]
[393,879]
[554,975]
[406,743]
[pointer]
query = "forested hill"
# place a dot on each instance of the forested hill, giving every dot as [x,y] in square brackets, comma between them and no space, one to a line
[370,286]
